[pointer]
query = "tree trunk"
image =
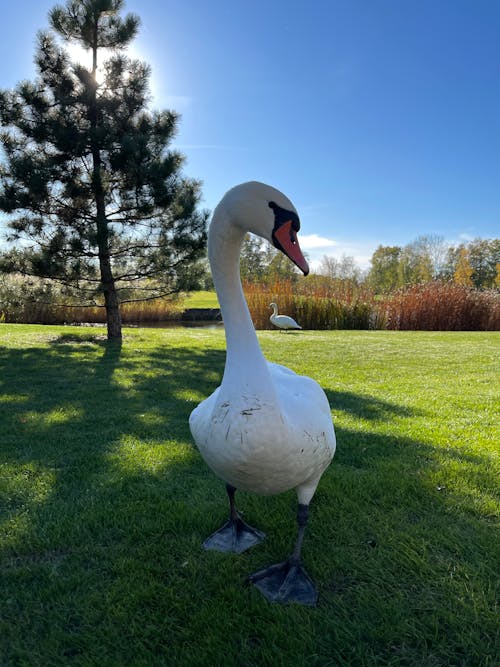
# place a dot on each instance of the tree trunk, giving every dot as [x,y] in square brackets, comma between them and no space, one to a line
[113,316]
[111,301]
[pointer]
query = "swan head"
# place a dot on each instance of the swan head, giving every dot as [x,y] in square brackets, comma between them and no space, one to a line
[265,211]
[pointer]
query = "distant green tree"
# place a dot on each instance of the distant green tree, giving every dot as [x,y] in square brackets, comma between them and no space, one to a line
[463,271]
[252,259]
[484,255]
[450,263]
[280,268]
[415,265]
[384,272]
[261,263]
[432,249]
[90,185]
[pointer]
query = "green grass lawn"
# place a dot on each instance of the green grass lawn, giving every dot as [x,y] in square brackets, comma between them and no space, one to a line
[105,502]
[201,299]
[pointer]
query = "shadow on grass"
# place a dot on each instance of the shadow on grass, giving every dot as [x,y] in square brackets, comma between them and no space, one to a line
[68,408]
[108,502]
[367,407]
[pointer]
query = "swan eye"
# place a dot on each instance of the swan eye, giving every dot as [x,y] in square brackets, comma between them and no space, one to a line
[281,216]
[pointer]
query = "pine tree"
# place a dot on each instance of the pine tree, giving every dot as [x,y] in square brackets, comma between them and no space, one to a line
[88,180]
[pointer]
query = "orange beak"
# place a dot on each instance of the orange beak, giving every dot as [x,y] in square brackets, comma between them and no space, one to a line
[287,240]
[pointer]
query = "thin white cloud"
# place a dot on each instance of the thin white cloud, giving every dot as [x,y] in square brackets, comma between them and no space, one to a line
[315,242]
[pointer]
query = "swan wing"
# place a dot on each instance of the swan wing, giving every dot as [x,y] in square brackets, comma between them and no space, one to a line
[200,417]
[276,369]
[305,409]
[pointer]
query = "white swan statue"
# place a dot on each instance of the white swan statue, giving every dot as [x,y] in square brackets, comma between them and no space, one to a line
[284,322]
[265,429]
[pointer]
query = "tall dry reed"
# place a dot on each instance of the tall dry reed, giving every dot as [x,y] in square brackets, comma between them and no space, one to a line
[439,306]
[316,307]
[137,312]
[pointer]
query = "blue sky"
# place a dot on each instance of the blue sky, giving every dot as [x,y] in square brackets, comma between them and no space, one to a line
[380,119]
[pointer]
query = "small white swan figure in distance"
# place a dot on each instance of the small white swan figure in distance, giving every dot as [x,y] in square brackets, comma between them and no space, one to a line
[282,321]
[266,429]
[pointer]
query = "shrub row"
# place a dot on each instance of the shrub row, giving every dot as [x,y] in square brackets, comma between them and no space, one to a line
[434,306]
[314,305]
[36,301]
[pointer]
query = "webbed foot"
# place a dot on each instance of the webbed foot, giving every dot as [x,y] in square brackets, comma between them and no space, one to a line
[285,582]
[235,536]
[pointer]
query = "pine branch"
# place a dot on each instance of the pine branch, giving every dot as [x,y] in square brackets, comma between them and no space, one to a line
[161,295]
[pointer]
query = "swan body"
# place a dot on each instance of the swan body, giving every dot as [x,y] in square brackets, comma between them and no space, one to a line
[282,321]
[265,429]
[264,440]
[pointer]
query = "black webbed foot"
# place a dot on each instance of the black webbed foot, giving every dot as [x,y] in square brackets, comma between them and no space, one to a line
[285,582]
[235,536]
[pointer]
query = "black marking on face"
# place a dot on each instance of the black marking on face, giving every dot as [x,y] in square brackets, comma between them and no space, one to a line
[282,215]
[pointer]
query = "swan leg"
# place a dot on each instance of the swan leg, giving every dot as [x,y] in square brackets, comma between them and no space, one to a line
[288,581]
[235,535]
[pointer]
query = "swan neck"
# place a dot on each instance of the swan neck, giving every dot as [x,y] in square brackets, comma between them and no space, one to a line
[244,358]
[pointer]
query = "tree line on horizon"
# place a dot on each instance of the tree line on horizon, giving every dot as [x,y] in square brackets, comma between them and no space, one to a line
[474,264]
